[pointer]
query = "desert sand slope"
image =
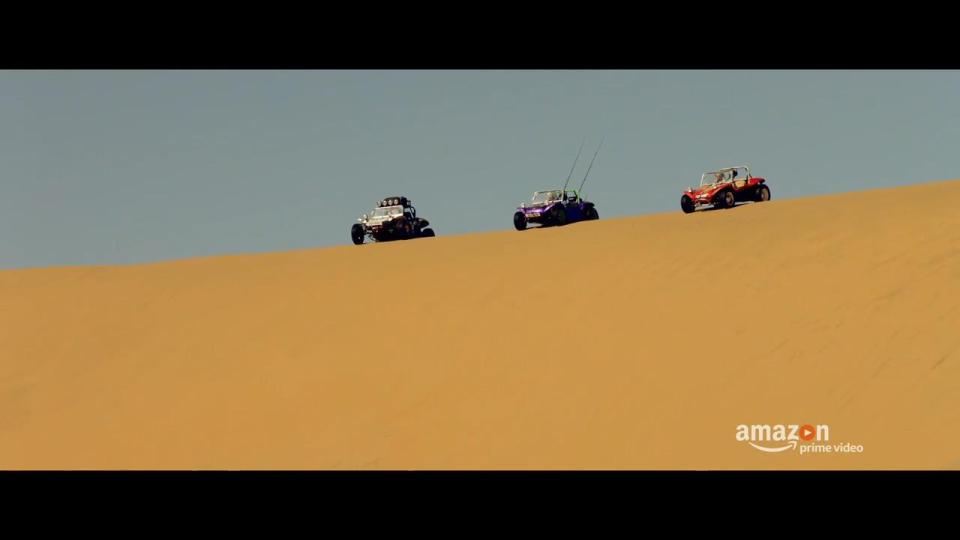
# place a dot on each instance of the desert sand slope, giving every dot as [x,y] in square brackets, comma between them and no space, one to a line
[637,343]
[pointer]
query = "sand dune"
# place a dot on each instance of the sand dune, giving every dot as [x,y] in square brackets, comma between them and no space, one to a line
[636,343]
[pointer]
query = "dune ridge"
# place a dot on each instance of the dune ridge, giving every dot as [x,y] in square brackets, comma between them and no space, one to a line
[630,343]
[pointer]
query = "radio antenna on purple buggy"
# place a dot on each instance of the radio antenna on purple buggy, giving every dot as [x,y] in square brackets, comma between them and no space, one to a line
[574,164]
[591,166]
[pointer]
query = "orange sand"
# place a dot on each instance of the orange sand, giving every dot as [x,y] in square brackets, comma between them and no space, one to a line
[635,343]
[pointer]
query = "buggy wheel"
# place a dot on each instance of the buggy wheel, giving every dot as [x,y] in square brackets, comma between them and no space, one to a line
[558,216]
[357,233]
[427,233]
[686,204]
[726,200]
[520,221]
[592,213]
[763,194]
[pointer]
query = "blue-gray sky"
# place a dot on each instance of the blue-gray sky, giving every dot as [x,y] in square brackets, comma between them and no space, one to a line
[106,167]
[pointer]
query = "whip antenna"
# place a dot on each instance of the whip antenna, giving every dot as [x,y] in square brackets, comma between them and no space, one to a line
[574,164]
[591,166]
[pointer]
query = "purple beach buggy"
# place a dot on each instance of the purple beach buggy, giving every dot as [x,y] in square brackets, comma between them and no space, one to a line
[554,207]
[558,206]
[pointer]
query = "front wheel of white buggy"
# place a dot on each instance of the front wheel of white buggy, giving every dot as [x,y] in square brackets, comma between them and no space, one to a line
[357,233]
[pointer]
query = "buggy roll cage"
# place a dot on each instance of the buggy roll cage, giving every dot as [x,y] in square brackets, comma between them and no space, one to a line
[711,174]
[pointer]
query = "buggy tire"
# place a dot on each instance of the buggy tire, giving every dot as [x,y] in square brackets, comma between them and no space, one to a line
[357,233]
[558,216]
[592,213]
[686,204]
[763,194]
[427,233]
[520,221]
[726,200]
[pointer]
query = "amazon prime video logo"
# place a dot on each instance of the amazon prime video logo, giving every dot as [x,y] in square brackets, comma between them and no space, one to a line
[807,438]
